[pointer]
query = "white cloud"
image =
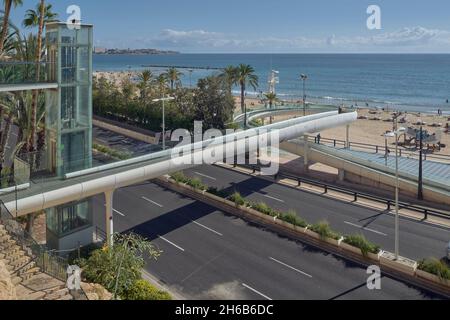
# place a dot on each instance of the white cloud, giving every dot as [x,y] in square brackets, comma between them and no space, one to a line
[416,39]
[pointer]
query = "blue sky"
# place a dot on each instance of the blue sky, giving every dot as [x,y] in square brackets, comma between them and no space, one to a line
[412,26]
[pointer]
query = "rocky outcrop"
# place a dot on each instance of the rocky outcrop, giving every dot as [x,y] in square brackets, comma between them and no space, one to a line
[95,291]
[7,288]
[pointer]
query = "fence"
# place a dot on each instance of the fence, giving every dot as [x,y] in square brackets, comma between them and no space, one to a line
[358,195]
[377,149]
[47,261]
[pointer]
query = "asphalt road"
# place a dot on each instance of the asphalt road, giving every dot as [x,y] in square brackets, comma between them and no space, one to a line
[417,240]
[208,254]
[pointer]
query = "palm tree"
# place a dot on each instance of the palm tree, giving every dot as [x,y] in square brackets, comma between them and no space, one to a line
[173,76]
[12,36]
[246,77]
[8,105]
[8,5]
[43,14]
[272,98]
[161,81]
[32,17]
[229,76]
[145,79]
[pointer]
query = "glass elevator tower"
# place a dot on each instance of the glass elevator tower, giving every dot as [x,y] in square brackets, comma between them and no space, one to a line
[69,126]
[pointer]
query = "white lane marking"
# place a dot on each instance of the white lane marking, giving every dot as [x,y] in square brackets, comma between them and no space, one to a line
[205,176]
[256,291]
[118,212]
[151,201]
[364,228]
[170,242]
[273,198]
[209,229]
[290,267]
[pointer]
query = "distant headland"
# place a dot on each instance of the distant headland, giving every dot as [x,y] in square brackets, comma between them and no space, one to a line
[132,51]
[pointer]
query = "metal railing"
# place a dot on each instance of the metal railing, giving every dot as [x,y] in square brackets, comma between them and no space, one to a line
[357,194]
[24,72]
[47,261]
[376,148]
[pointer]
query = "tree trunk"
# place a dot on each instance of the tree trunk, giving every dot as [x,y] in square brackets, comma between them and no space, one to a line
[271,106]
[242,97]
[5,138]
[5,24]
[32,142]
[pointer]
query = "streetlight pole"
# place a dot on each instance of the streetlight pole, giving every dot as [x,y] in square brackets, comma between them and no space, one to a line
[420,191]
[397,187]
[163,100]
[304,77]
[396,135]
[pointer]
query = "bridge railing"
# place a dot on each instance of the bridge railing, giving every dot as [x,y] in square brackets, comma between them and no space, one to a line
[378,149]
[357,194]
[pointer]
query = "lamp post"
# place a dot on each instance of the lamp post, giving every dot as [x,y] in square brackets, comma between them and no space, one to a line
[304,77]
[397,132]
[420,186]
[163,100]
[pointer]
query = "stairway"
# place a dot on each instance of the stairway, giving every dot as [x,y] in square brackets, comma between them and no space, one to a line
[30,282]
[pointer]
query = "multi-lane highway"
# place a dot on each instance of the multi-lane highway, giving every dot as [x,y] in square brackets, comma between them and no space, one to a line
[417,239]
[208,254]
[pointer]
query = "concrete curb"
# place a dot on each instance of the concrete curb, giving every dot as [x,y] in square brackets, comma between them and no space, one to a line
[405,271]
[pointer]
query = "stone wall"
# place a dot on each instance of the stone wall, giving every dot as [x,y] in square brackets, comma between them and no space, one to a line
[7,288]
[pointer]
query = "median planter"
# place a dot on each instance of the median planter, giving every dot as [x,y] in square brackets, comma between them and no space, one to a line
[431,277]
[312,234]
[404,265]
[355,250]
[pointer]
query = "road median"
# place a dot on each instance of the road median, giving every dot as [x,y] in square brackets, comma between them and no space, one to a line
[353,248]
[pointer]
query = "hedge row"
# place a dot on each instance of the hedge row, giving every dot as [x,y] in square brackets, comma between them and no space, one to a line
[111,152]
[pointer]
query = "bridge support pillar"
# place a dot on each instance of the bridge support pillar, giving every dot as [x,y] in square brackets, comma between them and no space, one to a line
[347,137]
[306,154]
[341,175]
[109,196]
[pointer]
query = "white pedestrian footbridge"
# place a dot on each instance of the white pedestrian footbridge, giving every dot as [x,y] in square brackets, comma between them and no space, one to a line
[51,192]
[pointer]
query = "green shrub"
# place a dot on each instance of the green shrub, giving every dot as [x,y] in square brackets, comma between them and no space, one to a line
[142,290]
[261,207]
[179,177]
[197,184]
[111,152]
[118,267]
[292,218]
[237,199]
[436,267]
[79,256]
[324,230]
[359,241]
